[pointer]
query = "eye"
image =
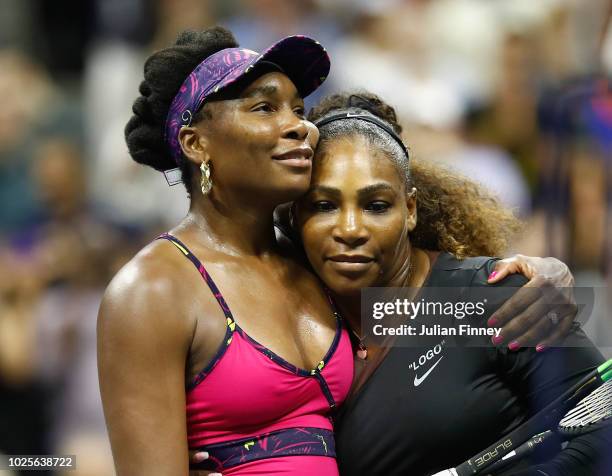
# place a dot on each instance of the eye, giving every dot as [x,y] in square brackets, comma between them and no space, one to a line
[263,107]
[323,206]
[378,206]
[300,112]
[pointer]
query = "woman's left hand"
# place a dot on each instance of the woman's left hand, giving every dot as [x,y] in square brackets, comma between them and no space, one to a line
[543,311]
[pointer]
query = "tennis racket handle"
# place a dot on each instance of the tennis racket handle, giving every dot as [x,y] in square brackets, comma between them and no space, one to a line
[524,450]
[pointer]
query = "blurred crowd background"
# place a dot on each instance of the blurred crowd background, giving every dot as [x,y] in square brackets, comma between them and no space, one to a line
[514,93]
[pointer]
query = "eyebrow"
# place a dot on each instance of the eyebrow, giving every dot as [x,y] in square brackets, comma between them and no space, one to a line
[261,90]
[326,190]
[376,187]
[266,90]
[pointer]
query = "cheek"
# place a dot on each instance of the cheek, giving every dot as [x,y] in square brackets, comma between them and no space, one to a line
[262,136]
[314,231]
[392,236]
[238,134]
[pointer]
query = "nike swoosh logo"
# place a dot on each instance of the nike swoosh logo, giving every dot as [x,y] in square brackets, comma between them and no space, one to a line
[419,380]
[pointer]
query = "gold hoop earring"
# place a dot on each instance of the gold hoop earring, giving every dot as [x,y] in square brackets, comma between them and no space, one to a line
[205,181]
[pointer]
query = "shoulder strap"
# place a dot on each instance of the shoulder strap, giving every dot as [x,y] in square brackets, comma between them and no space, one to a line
[202,270]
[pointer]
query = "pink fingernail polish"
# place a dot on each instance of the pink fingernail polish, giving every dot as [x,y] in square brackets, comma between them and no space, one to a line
[514,345]
[492,322]
[540,348]
[497,339]
[492,275]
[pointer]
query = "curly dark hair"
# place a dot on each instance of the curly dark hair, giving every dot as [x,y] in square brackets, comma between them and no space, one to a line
[454,214]
[164,72]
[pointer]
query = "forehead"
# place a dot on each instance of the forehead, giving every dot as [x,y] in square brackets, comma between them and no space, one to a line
[271,83]
[259,83]
[351,161]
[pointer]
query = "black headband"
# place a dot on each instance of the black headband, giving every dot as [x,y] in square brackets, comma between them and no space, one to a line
[367,118]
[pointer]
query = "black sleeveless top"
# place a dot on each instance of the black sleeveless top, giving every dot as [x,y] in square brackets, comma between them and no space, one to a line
[430,408]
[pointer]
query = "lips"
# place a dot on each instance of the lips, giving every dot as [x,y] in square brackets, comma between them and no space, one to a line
[350,265]
[299,157]
[351,258]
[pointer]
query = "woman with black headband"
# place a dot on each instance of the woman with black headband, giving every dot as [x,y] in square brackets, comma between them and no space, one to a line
[426,401]
[191,331]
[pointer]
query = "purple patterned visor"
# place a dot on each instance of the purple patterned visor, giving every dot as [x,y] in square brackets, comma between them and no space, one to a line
[301,58]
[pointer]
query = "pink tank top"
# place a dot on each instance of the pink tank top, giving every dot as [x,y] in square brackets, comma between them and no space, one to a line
[257,414]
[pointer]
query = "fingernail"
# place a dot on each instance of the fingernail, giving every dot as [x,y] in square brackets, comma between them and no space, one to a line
[497,339]
[492,322]
[540,348]
[492,275]
[514,345]
[201,456]
[215,474]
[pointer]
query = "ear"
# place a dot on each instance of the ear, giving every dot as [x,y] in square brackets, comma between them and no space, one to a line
[411,204]
[193,144]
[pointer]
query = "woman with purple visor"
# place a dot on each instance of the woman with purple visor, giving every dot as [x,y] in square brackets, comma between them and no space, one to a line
[214,337]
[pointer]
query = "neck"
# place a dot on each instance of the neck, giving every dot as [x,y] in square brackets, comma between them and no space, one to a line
[411,273]
[231,227]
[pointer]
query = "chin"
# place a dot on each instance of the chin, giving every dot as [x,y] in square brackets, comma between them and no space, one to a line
[345,286]
[347,292]
[292,188]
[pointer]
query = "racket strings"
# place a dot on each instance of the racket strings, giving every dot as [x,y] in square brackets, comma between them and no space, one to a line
[595,407]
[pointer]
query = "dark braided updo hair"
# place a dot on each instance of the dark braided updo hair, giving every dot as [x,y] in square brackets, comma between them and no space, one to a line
[164,72]
[454,214]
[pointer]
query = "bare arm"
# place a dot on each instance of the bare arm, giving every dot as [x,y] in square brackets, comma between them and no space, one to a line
[143,344]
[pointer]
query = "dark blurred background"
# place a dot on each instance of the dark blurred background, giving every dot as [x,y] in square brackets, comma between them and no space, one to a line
[513,93]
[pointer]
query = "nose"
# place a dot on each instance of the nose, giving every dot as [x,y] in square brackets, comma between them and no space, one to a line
[295,127]
[313,134]
[350,229]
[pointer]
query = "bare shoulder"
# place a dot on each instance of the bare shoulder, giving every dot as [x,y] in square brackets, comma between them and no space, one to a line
[143,344]
[142,298]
